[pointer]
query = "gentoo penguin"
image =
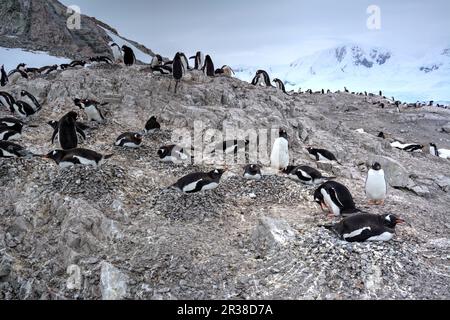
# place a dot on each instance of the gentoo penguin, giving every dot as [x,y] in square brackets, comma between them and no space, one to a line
[7,134]
[172,153]
[231,146]
[67,131]
[185,62]
[152,125]
[280,85]
[306,175]
[48,69]
[100,59]
[91,107]
[163,70]
[279,158]
[77,63]
[321,155]
[4,77]
[12,124]
[117,52]
[262,79]
[336,198]
[129,140]
[30,99]
[177,70]
[434,150]
[12,150]
[366,227]
[199,181]
[128,56]
[199,60]
[376,187]
[69,158]
[409,147]
[15,75]
[208,68]
[226,71]
[7,100]
[157,60]
[252,172]
[64,66]
[23,110]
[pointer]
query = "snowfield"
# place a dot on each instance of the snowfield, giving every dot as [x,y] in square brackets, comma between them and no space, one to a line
[369,69]
[10,58]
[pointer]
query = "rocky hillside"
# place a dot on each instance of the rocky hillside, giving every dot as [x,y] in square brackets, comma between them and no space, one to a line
[119,233]
[24,22]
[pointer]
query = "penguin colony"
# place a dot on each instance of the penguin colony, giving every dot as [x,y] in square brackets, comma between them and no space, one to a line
[332,196]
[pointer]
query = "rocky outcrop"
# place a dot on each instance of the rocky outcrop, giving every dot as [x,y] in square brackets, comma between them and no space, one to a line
[42,26]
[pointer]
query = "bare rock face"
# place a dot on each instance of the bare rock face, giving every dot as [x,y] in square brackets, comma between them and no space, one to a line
[113,282]
[42,26]
[119,232]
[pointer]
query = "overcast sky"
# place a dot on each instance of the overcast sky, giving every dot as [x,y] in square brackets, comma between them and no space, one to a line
[260,32]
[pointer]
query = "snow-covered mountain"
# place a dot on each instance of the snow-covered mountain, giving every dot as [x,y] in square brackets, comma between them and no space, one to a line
[362,68]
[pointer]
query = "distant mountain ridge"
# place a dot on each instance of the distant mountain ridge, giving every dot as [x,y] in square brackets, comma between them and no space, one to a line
[365,68]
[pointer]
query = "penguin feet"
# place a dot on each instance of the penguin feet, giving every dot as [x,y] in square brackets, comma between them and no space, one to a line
[372,202]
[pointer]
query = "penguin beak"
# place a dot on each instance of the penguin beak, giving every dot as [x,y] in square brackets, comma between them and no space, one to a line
[400,221]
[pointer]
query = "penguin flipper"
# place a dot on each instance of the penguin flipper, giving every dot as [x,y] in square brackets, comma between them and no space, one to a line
[55,133]
[81,133]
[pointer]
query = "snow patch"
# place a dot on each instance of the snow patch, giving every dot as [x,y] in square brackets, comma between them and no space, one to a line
[35,59]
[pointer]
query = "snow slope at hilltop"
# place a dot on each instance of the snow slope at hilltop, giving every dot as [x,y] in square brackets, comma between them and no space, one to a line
[366,69]
[12,57]
[140,55]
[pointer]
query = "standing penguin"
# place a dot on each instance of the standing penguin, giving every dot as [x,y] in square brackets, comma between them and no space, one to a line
[91,107]
[177,70]
[30,99]
[199,181]
[262,79]
[117,52]
[366,227]
[67,131]
[199,60]
[280,85]
[279,158]
[434,150]
[128,56]
[208,68]
[376,188]
[336,198]
[4,77]
[7,100]
[185,62]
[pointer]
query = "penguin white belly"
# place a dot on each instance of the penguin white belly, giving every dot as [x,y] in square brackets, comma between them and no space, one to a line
[280,154]
[334,208]
[65,164]
[252,177]
[3,102]
[6,154]
[385,236]
[322,158]
[131,145]
[355,233]
[191,186]
[210,186]
[93,114]
[376,185]
[31,103]
[117,54]
[86,162]
[15,136]
[169,159]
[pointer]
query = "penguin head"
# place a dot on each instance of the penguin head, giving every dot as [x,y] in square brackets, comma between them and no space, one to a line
[79,103]
[253,168]
[376,166]
[162,152]
[318,197]
[217,173]
[390,220]
[283,134]
[55,155]
[381,135]
[53,124]
[72,115]
[23,93]
[138,137]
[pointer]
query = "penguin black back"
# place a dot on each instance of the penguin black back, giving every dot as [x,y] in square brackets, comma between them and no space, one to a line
[67,131]
[129,58]
[4,77]
[208,68]
[177,68]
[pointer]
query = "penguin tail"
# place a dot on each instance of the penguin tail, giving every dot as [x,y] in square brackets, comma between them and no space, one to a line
[326,226]
[104,104]
[329,178]
[108,156]
[33,126]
